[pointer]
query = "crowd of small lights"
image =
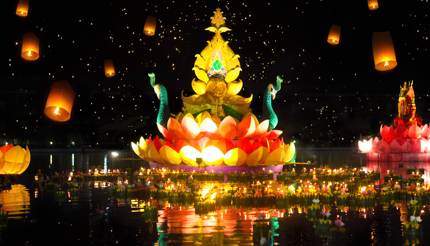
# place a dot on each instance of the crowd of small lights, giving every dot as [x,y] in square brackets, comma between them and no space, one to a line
[331,97]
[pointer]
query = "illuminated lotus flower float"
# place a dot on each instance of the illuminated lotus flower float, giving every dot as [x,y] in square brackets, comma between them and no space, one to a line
[406,140]
[216,130]
[14,159]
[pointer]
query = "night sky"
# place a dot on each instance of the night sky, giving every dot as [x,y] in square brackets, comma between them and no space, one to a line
[332,95]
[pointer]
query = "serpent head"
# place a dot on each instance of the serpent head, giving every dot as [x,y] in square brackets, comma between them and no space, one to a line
[271,90]
[155,86]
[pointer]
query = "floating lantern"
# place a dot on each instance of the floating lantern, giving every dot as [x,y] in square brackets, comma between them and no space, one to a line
[14,159]
[334,35]
[30,47]
[22,8]
[109,68]
[384,55]
[150,25]
[60,101]
[372,4]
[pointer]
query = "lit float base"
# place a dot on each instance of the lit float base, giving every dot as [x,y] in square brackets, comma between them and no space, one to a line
[400,168]
[398,157]
[220,169]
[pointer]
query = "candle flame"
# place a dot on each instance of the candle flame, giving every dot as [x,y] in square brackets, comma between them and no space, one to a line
[386,63]
[57,110]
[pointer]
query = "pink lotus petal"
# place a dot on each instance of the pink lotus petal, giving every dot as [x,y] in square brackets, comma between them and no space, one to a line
[414,132]
[386,133]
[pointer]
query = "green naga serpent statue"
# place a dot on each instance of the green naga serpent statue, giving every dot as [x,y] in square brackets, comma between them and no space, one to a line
[269,96]
[268,112]
[163,110]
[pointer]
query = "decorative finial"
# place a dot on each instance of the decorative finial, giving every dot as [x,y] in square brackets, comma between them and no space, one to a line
[218,19]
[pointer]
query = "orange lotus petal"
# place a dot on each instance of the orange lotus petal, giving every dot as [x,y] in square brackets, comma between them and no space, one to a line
[152,153]
[246,145]
[246,127]
[170,155]
[229,144]
[203,142]
[177,144]
[163,130]
[274,134]
[274,144]
[275,157]
[175,128]
[158,143]
[255,156]
[190,126]
[262,128]
[235,157]
[220,144]
[227,127]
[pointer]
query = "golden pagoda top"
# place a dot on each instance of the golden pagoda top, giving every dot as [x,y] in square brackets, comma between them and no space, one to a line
[406,106]
[217,69]
[218,19]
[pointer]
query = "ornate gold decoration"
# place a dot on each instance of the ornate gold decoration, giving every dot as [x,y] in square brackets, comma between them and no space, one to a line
[217,69]
[406,106]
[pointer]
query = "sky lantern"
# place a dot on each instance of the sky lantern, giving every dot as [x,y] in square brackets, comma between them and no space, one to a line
[334,35]
[30,47]
[150,25]
[372,4]
[22,8]
[384,55]
[60,101]
[109,68]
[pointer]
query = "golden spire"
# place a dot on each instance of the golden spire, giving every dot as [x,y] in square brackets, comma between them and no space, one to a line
[218,23]
[218,19]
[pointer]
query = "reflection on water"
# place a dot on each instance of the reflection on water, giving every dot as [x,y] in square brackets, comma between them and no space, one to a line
[15,201]
[106,214]
[181,225]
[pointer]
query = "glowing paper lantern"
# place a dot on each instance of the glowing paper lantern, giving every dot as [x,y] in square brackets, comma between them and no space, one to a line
[384,55]
[60,101]
[109,68]
[334,35]
[22,8]
[14,159]
[30,47]
[150,25]
[372,4]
